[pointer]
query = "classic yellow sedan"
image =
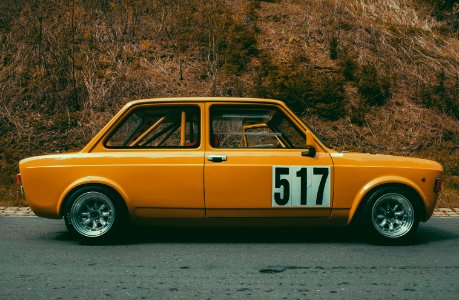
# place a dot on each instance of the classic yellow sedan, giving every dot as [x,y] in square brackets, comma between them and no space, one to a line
[225,162]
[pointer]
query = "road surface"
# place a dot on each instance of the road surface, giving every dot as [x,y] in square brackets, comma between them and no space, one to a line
[39,260]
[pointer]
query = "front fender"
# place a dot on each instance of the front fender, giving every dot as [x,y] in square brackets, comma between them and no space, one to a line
[371,185]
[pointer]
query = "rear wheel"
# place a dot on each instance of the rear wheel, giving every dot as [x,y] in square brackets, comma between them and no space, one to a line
[94,213]
[390,215]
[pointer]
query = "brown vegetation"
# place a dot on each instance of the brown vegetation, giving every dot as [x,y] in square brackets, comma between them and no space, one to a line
[378,76]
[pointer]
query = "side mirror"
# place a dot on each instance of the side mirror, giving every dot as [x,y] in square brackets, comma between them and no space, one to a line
[310,146]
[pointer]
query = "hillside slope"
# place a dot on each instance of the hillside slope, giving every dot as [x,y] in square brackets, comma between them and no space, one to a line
[376,76]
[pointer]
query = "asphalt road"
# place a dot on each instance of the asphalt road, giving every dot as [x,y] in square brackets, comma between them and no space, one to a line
[38,260]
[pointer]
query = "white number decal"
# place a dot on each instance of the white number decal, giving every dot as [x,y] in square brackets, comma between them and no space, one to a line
[301,186]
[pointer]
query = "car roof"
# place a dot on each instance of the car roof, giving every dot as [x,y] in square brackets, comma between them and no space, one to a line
[130,104]
[201,99]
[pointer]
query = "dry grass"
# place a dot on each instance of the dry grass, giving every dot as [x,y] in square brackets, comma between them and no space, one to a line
[449,196]
[397,36]
[12,196]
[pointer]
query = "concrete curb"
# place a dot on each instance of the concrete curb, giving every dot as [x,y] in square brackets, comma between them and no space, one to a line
[27,212]
[16,211]
[446,212]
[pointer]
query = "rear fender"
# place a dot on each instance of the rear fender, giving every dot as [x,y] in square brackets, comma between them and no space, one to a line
[91,180]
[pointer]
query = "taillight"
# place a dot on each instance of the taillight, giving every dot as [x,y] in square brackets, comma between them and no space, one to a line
[18,178]
[438,183]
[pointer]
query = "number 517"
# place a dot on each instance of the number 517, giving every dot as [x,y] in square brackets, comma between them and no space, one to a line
[291,183]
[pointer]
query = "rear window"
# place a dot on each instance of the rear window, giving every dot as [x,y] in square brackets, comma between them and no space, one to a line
[158,127]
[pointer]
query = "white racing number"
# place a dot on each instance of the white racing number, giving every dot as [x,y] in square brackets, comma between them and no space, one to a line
[301,186]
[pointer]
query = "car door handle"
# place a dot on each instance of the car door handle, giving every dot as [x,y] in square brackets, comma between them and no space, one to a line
[217,158]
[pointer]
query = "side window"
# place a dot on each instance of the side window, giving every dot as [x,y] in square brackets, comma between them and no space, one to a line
[158,127]
[260,135]
[234,126]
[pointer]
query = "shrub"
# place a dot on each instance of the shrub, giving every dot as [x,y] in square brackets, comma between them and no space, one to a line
[442,95]
[447,11]
[238,47]
[333,47]
[348,66]
[302,89]
[374,90]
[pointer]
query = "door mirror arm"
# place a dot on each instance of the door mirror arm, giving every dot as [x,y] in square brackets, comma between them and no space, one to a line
[310,145]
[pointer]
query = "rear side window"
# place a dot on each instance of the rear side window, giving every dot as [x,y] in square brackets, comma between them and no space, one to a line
[234,126]
[158,127]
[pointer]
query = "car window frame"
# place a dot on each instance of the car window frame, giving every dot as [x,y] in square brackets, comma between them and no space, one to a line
[112,130]
[301,128]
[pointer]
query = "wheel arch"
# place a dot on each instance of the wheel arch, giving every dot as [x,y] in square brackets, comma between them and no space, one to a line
[364,193]
[93,181]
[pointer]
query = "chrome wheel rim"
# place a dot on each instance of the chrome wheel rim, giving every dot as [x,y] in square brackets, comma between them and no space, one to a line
[393,215]
[92,214]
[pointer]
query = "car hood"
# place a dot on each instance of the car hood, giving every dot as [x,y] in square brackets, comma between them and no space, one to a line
[378,160]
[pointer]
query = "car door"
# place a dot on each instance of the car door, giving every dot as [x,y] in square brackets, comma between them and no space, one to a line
[255,165]
[155,154]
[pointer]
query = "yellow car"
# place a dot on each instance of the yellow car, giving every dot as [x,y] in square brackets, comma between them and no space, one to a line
[225,162]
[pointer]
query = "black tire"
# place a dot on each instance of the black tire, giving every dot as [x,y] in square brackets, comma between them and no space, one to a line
[95,214]
[390,215]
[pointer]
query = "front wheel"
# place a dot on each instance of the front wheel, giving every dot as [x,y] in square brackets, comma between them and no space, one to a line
[93,214]
[390,215]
